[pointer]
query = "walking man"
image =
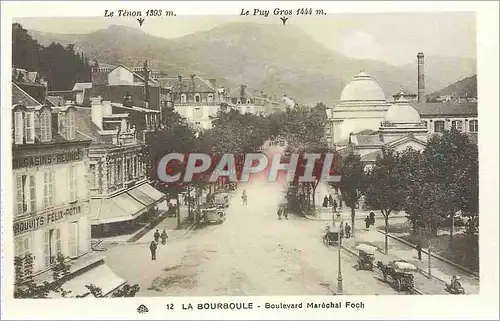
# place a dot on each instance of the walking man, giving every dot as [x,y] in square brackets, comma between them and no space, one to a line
[419,251]
[330,199]
[372,218]
[152,248]
[164,237]
[335,205]
[347,231]
[157,236]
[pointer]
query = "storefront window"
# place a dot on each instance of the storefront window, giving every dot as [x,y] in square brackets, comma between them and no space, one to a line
[52,245]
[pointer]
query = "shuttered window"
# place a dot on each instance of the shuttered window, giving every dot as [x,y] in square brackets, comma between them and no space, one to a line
[52,246]
[18,128]
[30,127]
[45,127]
[73,239]
[19,195]
[72,184]
[32,193]
[71,130]
[62,124]
[48,188]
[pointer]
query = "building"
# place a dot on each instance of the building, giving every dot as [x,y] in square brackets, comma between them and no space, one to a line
[257,103]
[195,98]
[362,109]
[362,105]
[30,82]
[401,128]
[120,193]
[121,84]
[50,163]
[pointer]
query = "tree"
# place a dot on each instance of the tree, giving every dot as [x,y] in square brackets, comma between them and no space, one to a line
[387,189]
[451,159]
[352,183]
[26,288]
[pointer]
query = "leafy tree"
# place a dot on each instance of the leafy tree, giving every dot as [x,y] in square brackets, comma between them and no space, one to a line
[352,183]
[26,288]
[387,189]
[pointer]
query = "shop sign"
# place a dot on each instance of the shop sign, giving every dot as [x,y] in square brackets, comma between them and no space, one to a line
[39,221]
[48,159]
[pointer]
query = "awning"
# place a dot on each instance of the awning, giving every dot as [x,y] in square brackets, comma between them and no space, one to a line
[146,194]
[119,208]
[152,192]
[101,276]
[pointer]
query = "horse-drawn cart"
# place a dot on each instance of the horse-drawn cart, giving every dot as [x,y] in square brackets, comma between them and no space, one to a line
[331,238]
[399,273]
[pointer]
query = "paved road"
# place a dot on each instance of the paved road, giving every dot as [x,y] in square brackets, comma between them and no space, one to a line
[252,253]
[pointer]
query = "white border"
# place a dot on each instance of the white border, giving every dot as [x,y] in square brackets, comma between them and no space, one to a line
[483,306]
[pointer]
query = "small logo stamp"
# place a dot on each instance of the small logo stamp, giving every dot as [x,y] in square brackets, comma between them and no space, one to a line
[142,309]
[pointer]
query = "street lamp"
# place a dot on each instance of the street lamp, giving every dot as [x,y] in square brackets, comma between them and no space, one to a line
[339,277]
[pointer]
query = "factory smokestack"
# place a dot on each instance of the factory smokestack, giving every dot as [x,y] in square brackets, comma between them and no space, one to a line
[421,82]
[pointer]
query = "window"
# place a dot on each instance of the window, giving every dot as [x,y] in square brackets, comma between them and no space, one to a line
[438,126]
[183,98]
[22,247]
[72,184]
[424,123]
[197,113]
[239,102]
[210,98]
[18,127]
[25,194]
[473,126]
[197,98]
[457,124]
[73,239]
[118,173]
[71,129]
[111,171]
[52,245]
[129,169]
[45,126]
[30,127]
[134,165]
[92,174]
[48,188]
[248,101]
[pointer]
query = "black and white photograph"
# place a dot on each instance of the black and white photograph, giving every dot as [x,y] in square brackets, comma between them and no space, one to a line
[314,159]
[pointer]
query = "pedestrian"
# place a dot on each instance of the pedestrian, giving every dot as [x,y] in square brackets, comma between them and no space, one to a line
[334,206]
[372,218]
[157,236]
[325,201]
[419,251]
[152,248]
[330,199]
[340,204]
[164,237]
[347,229]
[367,222]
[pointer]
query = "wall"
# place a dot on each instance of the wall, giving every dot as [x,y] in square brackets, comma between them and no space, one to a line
[117,93]
[120,76]
[62,213]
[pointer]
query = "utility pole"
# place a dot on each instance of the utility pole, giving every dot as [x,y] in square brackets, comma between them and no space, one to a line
[429,275]
[178,212]
[339,277]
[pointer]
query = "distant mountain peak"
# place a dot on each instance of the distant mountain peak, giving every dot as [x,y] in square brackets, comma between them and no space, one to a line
[122,28]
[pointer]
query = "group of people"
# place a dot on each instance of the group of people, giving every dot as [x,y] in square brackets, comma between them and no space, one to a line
[329,201]
[344,230]
[154,244]
[370,220]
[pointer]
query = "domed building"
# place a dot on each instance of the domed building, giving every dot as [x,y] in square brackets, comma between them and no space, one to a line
[362,105]
[401,128]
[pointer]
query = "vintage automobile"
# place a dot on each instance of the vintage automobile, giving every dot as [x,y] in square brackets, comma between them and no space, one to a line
[400,274]
[221,200]
[331,238]
[213,214]
[366,256]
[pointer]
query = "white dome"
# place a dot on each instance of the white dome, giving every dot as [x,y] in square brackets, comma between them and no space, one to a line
[362,88]
[402,113]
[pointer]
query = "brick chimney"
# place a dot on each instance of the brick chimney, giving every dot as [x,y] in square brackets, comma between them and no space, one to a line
[421,81]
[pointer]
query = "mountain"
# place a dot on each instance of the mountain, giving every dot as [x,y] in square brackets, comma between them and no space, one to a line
[466,87]
[266,57]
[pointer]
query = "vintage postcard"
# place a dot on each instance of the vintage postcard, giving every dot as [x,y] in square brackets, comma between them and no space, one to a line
[249,160]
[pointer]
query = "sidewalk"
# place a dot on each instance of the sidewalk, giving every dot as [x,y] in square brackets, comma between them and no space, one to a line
[170,224]
[325,214]
[440,270]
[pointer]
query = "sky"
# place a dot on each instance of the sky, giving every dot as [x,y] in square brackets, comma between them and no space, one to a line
[392,37]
